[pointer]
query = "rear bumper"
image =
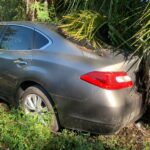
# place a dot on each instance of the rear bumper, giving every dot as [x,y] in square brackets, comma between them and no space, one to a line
[100,114]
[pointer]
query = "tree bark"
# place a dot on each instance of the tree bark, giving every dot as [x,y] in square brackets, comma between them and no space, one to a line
[30,12]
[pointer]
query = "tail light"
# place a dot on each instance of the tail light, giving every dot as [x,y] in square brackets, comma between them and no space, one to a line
[108,80]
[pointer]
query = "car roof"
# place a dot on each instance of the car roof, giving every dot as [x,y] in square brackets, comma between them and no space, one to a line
[27,23]
[31,24]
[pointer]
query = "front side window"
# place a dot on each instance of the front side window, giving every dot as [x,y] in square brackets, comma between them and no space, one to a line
[17,38]
[40,40]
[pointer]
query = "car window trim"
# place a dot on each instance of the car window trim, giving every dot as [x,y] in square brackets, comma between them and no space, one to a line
[21,25]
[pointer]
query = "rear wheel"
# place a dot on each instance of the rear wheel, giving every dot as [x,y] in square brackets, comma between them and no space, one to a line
[35,101]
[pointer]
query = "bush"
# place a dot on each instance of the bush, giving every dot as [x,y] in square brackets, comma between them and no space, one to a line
[84,25]
[12,10]
[19,131]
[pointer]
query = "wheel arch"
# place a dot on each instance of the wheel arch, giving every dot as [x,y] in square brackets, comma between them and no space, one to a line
[29,83]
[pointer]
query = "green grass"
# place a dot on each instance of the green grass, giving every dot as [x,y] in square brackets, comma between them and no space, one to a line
[21,132]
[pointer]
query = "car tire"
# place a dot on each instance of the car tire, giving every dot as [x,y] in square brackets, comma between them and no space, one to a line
[36,92]
[4,106]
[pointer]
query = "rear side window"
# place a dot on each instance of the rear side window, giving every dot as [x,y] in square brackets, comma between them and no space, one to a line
[40,40]
[1,28]
[17,38]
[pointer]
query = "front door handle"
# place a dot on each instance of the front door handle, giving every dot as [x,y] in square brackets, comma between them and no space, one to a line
[20,62]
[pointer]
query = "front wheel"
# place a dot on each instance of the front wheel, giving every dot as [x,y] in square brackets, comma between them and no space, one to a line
[35,101]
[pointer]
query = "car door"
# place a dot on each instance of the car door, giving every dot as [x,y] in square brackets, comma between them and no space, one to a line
[16,46]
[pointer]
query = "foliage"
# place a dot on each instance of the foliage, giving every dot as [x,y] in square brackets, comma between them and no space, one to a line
[121,15]
[83,25]
[142,41]
[72,141]
[19,131]
[12,10]
[22,132]
[43,12]
[76,5]
[119,21]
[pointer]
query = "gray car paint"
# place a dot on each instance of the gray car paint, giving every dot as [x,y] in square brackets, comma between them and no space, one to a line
[57,68]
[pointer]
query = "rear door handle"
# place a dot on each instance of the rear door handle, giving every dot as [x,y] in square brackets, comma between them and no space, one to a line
[20,62]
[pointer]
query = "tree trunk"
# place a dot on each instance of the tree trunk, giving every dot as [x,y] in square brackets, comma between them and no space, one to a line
[30,12]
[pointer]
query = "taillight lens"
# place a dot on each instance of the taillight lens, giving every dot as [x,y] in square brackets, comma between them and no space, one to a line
[108,80]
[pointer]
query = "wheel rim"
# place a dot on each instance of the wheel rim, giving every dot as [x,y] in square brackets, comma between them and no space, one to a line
[34,104]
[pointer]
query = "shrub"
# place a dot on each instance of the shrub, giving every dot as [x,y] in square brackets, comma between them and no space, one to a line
[84,25]
[12,10]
